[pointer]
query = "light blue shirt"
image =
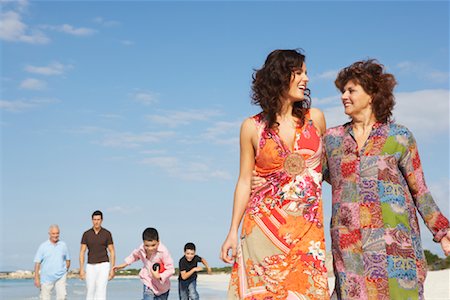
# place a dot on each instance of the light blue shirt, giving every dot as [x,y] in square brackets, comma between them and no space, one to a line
[52,258]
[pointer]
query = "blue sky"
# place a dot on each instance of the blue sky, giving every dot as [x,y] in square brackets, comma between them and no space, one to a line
[134,108]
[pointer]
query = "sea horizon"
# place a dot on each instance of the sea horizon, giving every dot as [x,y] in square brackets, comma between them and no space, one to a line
[118,289]
[210,287]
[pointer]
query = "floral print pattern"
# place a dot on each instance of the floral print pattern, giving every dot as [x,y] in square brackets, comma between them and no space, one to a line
[377,253]
[282,249]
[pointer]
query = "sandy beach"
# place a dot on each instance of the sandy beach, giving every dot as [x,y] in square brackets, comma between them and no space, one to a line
[437,284]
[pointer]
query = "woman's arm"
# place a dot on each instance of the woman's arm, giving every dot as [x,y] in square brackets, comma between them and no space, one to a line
[242,192]
[411,169]
[318,120]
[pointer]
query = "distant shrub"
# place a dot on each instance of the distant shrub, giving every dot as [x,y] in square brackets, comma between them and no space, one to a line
[435,262]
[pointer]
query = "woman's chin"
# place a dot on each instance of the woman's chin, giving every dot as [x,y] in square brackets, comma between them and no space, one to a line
[348,112]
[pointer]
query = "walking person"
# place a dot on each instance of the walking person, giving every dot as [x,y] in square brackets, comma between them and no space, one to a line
[51,264]
[98,242]
[281,250]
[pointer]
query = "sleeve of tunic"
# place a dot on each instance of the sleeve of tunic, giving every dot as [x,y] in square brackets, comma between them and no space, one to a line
[411,169]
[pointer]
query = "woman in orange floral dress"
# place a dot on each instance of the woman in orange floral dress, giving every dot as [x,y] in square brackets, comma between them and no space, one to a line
[281,252]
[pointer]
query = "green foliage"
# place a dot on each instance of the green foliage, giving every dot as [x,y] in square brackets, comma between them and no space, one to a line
[131,272]
[128,272]
[221,270]
[435,262]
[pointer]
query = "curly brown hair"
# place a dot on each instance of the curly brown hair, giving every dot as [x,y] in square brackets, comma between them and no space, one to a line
[273,79]
[371,75]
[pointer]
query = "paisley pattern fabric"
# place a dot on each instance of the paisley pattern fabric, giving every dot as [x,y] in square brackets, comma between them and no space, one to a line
[377,252]
[282,249]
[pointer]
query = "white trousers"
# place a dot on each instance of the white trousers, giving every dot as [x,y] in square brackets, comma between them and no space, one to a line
[60,287]
[97,280]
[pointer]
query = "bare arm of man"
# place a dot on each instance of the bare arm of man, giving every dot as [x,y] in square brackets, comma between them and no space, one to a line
[82,254]
[112,260]
[37,280]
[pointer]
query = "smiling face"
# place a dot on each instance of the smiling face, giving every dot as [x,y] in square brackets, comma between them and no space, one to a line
[189,254]
[151,247]
[53,234]
[297,86]
[355,100]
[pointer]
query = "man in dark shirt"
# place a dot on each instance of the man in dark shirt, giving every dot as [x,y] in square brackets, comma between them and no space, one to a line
[99,242]
[187,281]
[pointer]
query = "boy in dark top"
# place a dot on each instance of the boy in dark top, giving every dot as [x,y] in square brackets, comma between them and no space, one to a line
[187,281]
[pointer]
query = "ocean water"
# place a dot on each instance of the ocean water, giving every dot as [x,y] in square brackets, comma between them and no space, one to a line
[118,289]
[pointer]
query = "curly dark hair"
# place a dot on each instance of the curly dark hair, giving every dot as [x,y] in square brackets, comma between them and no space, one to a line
[273,79]
[371,75]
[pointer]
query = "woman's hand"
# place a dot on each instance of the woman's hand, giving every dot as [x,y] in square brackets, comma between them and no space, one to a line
[229,244]
[257,181]
[445,243]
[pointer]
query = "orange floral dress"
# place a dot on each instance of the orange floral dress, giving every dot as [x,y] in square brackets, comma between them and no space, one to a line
[281,254]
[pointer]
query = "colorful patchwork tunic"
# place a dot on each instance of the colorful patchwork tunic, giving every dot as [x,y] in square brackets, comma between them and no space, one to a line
[377,252]
[282,249]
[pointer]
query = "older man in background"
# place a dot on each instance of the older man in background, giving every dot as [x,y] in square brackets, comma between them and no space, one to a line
[51,263]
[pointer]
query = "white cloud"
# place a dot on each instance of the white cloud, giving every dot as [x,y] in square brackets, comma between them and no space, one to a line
[437,76]
[423,71]
[81,31]
[326,101]
[153,152]
[186,170]
[425,112]
[180,117]
[223,133]
[405,66]
[55,68]
[127,42]
[13,29]
[33,84]
[69,29]
[23,105]
[106,23]
[327,75]
[132,140]
[118,139]
[335,116]
[88,130]
[19,5]
[145,98]
[123,210]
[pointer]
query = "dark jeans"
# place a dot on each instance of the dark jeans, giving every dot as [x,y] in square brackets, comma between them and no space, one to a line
[149,295]
[188,291]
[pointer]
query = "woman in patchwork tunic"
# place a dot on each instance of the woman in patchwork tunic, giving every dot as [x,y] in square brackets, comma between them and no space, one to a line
[281,254]
[377,186]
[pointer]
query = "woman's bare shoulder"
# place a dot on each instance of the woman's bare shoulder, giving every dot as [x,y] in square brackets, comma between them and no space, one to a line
[318,119]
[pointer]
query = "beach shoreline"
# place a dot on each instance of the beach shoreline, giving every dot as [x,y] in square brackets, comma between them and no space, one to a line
[437,283]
